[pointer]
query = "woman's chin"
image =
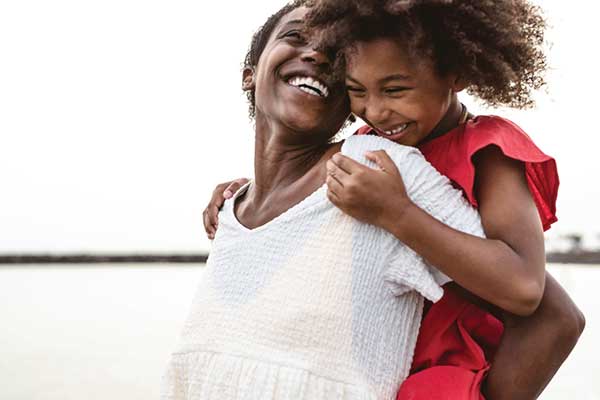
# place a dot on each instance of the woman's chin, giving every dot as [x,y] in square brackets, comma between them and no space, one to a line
[307,126]
[305,119]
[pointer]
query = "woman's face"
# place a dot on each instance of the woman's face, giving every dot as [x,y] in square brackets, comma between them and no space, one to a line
[404,99]
[292,82]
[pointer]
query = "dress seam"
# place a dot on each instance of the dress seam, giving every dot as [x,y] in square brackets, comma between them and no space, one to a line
[278,364]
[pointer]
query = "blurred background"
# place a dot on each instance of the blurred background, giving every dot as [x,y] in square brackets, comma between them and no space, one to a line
[117,119]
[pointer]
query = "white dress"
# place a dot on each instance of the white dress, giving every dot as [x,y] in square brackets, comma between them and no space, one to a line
[313,305]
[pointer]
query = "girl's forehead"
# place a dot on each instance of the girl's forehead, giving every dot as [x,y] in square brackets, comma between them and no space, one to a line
[385,55]
[388,49]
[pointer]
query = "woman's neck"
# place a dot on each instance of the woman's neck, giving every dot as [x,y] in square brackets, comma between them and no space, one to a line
[285,160]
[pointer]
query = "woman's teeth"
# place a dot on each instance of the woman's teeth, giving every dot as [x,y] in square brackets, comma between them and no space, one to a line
[310,86]
[399,129]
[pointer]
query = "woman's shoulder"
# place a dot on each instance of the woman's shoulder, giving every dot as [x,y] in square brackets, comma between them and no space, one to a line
[356,145]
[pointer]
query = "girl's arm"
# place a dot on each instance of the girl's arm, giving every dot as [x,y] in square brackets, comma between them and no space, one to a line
[210,215]
[506,269]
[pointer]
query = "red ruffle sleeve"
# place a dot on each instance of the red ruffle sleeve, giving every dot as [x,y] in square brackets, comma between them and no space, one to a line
[457,339]
[452,154]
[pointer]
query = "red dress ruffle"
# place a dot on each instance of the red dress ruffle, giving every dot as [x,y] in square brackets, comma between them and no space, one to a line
[451,154]
[457,339]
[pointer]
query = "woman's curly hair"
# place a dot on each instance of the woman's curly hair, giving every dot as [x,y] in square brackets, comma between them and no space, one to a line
[495,46]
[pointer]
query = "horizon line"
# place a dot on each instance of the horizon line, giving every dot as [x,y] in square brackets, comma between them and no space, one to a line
[102,258]
[569,257]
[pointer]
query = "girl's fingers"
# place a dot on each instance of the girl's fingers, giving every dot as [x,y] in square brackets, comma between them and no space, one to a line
[222,192]
[333,197]
[234,187]
[336,173]
[218,196]
[333,184]
[383,161]
[208,227]
[213,217]
[242,181]
[347,164]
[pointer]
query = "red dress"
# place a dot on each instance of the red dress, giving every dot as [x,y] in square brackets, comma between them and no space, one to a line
[457,339]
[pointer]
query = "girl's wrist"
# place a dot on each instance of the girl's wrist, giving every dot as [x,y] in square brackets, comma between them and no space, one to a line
[395,219]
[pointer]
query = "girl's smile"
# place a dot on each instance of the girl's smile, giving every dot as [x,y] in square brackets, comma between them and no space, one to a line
[402,98]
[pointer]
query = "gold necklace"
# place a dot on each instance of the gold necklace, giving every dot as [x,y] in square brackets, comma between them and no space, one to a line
[464,116]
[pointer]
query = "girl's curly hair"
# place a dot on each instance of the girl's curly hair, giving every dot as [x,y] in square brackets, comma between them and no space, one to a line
[496,46]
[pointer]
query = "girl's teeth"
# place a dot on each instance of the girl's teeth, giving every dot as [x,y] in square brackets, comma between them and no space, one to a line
[397,130]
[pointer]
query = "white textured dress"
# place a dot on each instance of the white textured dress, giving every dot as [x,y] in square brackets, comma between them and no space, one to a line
[313,305]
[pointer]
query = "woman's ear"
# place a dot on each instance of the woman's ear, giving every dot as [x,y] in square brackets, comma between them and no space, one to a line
[248,79]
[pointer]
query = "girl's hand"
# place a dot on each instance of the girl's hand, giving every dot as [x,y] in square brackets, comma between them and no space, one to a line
[369,195]
[221,193]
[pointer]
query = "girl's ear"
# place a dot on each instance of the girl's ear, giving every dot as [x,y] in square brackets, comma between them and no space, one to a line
[248,79]
[458,84]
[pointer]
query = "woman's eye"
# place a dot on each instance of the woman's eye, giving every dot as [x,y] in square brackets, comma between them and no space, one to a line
[296,35]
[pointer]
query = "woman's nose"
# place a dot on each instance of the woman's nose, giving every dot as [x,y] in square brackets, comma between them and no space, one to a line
[313,56]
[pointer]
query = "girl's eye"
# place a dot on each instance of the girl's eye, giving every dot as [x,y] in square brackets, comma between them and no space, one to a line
[355,90]
[395,90]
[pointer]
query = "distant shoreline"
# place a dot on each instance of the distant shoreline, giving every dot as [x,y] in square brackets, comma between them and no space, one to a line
[574,257]
[578,257]
[102,258]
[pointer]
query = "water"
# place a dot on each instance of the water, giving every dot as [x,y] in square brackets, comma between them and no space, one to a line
[106,332]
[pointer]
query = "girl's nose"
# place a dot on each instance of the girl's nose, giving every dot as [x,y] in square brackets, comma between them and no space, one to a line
[376,112]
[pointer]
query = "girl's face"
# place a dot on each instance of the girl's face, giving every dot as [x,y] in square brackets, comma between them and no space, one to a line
[404,99]
[292,82]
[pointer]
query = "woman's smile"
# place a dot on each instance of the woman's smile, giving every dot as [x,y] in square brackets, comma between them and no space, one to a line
[310,85]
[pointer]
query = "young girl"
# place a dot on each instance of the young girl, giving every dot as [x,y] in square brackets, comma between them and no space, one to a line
[405,63]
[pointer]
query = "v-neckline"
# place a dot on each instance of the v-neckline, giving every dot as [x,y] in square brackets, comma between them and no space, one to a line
[310,200]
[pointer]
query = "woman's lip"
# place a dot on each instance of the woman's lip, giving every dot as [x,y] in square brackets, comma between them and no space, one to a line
[307,95]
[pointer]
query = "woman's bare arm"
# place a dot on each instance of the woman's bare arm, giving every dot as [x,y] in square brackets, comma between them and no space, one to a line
[533,348]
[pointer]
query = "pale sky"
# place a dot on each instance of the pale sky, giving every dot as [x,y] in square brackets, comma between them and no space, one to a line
[117,118]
